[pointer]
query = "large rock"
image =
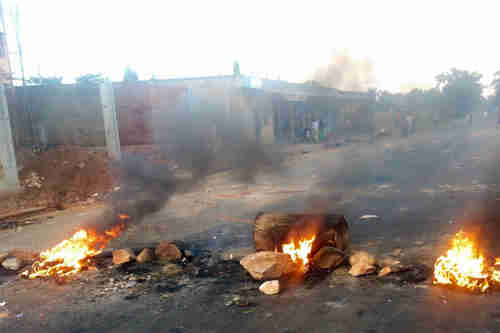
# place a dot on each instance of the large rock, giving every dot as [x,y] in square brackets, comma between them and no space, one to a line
[385,271]
[146,255]
[168,251]
[3,256]
[328,257]
[270,287]
[361,269]
[13,264]
[123,256]
[26,256]
[268,265]
[397,268]
[362,257]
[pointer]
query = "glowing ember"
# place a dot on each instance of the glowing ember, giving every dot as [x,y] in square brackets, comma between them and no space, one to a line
[300,252]
[71,255]
[464,266]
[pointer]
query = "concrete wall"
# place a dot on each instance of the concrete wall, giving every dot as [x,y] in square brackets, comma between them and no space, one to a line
[146,111]
[72,114]
[66,114]
[223,81]
[134,112]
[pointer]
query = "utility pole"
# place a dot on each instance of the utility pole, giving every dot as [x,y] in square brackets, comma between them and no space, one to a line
[7,152]
[19,46]
[15,16]
[3,41]
[108,108]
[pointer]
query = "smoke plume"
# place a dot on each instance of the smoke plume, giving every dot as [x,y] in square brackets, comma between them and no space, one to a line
[346,73]
[484,219]
[198,138]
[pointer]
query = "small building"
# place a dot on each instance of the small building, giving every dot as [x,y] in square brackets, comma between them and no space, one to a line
[284,107]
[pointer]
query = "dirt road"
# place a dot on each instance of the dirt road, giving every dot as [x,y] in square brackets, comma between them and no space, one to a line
[423,190]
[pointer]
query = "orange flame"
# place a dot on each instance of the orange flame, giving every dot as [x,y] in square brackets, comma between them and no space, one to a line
[300,252]
[464,266]
[70,256]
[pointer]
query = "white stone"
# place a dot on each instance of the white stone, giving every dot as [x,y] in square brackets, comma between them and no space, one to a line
[270,287]
[12,264]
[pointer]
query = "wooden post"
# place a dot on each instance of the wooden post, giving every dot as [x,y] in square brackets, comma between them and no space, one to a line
[278,119]
[110,120]
[272,230]
[7,152]
[293,112]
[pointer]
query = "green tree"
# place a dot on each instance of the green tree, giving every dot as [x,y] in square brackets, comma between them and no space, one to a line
[45,81]
[461,91]
[89,79]
[236,69]
[130,75]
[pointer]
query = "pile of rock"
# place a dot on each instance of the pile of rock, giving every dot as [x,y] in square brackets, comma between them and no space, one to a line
[165,252]
[33,181]
[271,266]
[363,263]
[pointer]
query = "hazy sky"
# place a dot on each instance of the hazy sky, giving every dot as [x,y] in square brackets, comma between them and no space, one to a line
[408,42]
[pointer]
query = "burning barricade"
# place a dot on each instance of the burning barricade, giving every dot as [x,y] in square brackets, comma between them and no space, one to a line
[72,255]
[300,245]
[290,249]
[464,266]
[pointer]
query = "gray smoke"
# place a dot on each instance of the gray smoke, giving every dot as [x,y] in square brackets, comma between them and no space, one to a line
[197,142]
[346,73]
[483,220]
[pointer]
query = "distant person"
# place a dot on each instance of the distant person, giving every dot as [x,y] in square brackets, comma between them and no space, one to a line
[435,119]
[404,127]
[469,118]
[322,127]
[348,129]
[315,131]
[397,120]
[213,137]
[258,127]
[307,135]
[411,124]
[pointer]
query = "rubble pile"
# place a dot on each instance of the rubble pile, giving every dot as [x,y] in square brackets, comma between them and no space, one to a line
[33,181]
[59,178]
[273,269]
[131,273]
